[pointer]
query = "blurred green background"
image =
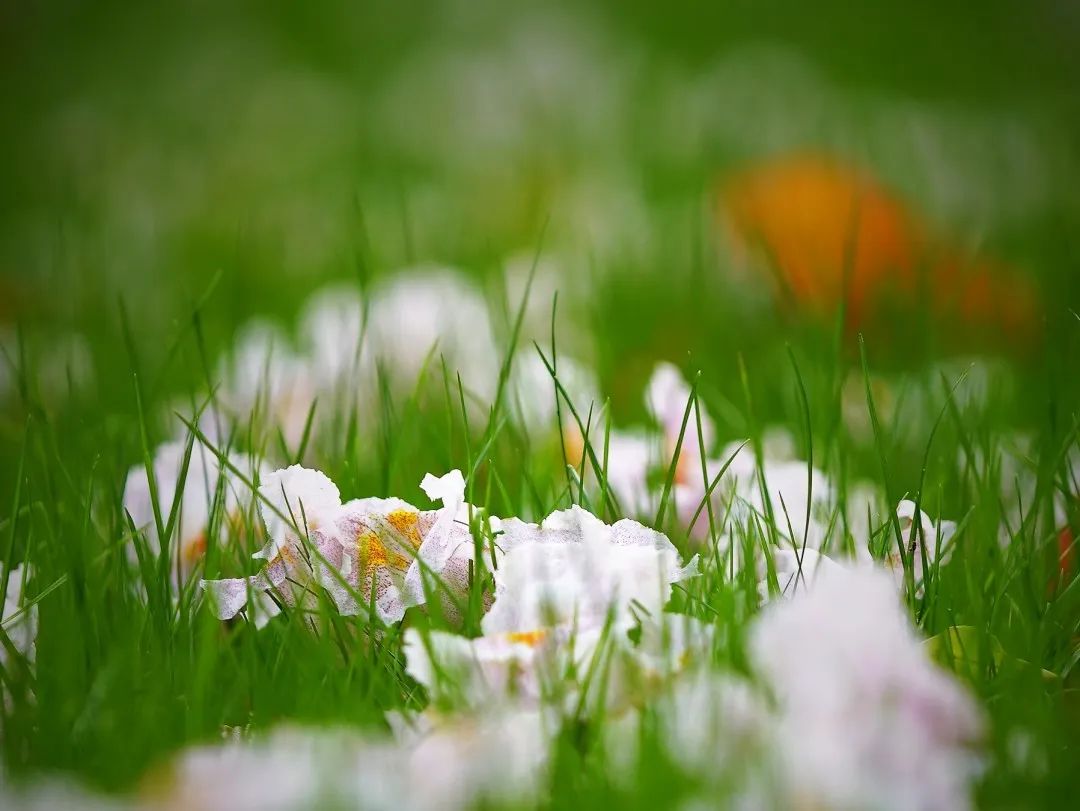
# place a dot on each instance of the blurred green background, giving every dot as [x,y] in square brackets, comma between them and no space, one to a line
[149,149]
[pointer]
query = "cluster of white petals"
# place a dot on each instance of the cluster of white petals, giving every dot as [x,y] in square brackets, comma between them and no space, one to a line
[562,588]
[746,493]
[572,569]
[369,553]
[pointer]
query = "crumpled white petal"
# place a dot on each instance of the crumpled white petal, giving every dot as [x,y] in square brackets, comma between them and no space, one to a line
[449,536]
[292,499]
[573,569]
[888,727]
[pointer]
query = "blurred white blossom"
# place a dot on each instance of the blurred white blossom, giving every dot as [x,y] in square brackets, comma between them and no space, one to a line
[864,717]
[572,569]
[213,500]
[422,314]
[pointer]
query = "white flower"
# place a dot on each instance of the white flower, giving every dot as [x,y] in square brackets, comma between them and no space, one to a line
[265,377]
[532,394]
[668,398]
[442,562]
[295,499]
[796,571]
[425,309]
[922,539]
[449,488]
[573,569]
[288,769]
[499,757]
[363,553]
[630,457]
[445,766]
[865,718]
[477,672]
[20,621]
[790,488]
[786,482]
[708,720]
[556,585]
[289,576]
[210,492]
[402,554]
[331,334]
[661,649]
[295,504]
[379,539]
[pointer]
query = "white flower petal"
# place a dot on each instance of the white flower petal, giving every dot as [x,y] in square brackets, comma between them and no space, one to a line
[296,498]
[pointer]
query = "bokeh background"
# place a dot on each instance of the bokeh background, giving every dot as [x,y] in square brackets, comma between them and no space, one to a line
[229,159]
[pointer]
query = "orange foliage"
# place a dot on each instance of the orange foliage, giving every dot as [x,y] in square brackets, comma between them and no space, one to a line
[834,233]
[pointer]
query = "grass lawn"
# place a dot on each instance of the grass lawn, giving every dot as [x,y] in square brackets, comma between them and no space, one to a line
[772,311]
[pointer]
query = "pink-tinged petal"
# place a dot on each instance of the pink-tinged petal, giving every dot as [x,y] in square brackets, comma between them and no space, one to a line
[296,498]
[445,536]
[228,597]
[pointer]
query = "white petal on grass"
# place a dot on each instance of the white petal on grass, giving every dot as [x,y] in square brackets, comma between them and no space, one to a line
[19,620]
[361,553]
[922,538]
[379,539]
[285,770]
[449,488]
[448,537]
[667,399]
[207,480]
[788,490]
[630,456]
[865,718]
[295,499]
[446,766]
[499,757]
[573,569]
[477,672]
[712,722]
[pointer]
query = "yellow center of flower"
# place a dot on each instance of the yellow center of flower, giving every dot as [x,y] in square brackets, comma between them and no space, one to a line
[530,638]
[374,554]
[405,522]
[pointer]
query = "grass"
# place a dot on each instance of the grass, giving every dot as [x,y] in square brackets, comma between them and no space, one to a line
[128,669]
[131,667]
